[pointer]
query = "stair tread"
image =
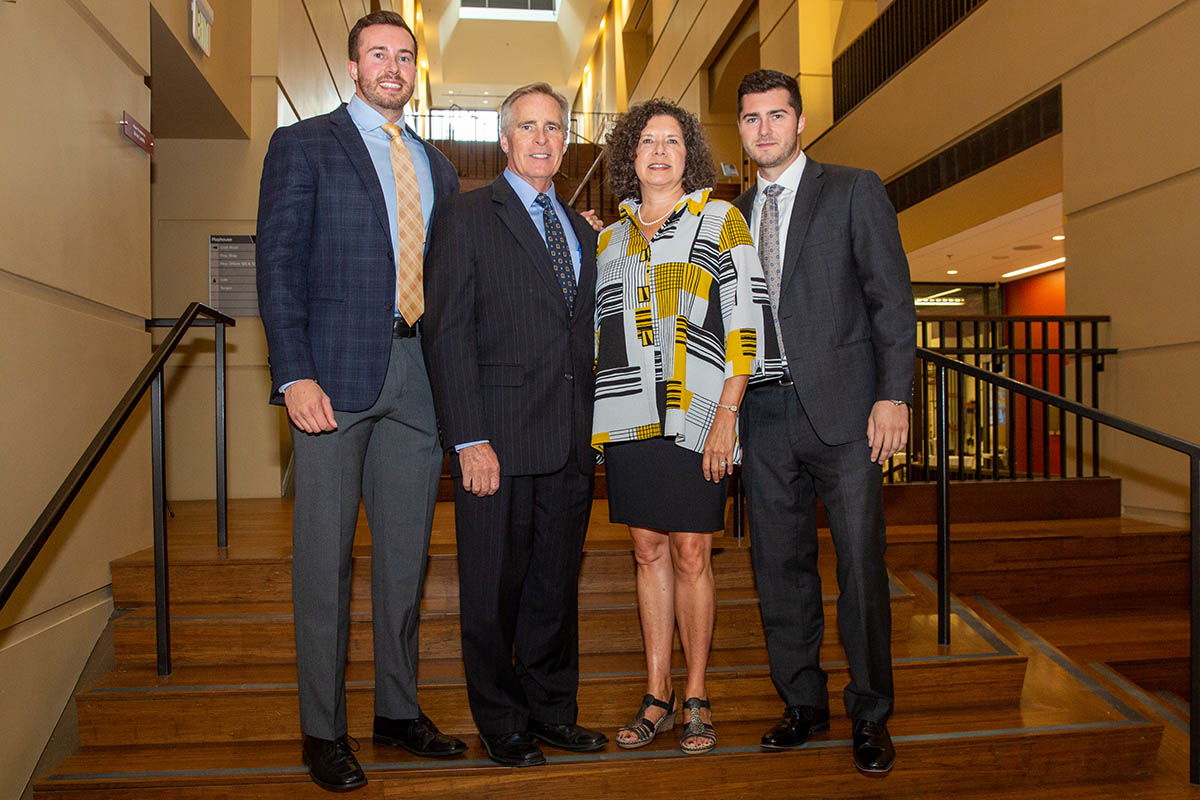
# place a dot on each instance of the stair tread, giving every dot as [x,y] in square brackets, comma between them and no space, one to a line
[149,763]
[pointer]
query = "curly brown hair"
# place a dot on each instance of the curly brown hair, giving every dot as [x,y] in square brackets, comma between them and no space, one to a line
[621,149]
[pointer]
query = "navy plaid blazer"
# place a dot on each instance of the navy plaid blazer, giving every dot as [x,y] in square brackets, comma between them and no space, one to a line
[326,266]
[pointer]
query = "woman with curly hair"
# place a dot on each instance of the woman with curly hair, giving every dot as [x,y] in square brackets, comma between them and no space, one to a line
[682,323]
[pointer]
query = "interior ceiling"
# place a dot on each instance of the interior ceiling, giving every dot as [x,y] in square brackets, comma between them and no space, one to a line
[475,63]
[983,253]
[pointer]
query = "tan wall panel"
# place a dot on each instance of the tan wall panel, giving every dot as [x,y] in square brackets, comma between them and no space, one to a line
[252,431]
[329,21]
[207,179]
[40,668]
[1013,183]
[1142,249]
[1135,109]
[661,11]
[779,47]
[685,46]
[227,70]
[1149,386]
[127,24]
[776,15]
[76,197]
[301,64]
[1017,48]
[63,376]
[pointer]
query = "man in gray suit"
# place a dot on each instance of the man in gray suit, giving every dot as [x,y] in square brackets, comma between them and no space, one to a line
[840,288]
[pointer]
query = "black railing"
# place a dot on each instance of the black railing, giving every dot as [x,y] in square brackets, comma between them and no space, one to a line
[151,377]
[941,365]
[992,433]
[896,37]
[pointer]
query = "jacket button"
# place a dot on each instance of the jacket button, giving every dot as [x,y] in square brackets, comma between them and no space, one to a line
[569,376]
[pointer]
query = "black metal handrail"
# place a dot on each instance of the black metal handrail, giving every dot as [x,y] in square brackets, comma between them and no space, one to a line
[151,377]
[942,364]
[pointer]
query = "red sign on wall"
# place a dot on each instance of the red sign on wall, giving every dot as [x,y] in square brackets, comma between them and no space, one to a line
[136,132]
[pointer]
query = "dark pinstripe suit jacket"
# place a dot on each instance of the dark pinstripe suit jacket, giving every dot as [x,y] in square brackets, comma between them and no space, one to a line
[326,268]
[507,359]
[846,307]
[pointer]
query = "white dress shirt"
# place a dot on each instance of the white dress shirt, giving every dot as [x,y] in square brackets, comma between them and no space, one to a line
[790,181]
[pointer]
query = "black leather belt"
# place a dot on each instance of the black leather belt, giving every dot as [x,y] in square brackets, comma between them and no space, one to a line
[786,378]
[402,330]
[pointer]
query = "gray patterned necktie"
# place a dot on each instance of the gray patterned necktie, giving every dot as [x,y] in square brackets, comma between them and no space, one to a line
[560,252]
[768,250]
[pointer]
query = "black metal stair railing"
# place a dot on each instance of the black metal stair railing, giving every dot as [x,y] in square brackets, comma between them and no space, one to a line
[151,377]
[941,365]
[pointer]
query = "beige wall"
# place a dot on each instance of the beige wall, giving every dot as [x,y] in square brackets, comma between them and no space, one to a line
[74,290]
[206,186]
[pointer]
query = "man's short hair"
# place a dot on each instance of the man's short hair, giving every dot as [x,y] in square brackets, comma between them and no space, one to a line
[377,18]
[540,87]
[764,80]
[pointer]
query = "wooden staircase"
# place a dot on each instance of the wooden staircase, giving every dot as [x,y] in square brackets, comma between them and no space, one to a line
[998,713]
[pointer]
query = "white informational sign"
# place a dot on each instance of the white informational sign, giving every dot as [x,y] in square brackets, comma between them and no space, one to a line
[202,24]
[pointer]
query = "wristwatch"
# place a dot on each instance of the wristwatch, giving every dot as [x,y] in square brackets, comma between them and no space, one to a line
[898,402]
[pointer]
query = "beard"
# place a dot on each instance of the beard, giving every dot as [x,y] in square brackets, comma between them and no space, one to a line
[787,151]
[382,99]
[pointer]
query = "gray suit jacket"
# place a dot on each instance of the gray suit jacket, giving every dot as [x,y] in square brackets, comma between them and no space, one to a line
[846,312]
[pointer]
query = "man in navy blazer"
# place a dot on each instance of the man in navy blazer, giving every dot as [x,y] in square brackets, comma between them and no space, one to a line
[839,284]
[511,290]
[349,369]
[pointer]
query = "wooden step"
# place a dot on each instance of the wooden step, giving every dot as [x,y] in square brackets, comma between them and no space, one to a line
[203,574]
[262,633]
[938,751]
[224,703]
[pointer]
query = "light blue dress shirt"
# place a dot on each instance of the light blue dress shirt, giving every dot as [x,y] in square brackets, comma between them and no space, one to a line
[528,196]
[379,146]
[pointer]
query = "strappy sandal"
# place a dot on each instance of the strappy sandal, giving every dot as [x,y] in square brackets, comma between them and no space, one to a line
[696,728]
[643,729]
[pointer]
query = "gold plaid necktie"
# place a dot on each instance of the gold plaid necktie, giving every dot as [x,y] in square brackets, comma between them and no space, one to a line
[410,231]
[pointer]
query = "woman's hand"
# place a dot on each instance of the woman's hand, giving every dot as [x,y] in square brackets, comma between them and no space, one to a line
[718,447]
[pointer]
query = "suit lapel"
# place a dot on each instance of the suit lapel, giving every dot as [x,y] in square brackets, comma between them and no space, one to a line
[346,132]
[514,215]
[440,189]
[811,181]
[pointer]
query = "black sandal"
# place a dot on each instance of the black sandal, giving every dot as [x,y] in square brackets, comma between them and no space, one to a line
[696,728]
[643,729]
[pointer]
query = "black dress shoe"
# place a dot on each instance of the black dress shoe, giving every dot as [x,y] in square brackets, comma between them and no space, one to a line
[418,736]
[798,723]
[332,765]
[513,749]
[873,750]
[567,736]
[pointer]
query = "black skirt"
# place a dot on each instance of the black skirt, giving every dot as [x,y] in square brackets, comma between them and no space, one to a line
[655,483]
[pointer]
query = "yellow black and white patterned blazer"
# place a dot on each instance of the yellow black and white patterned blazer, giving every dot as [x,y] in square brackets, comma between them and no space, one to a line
[688,309]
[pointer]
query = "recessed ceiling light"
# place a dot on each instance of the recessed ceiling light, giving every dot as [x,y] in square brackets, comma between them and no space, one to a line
[1058,238]
[951,272]
[451,91]
[1042,265]
[602,24]
[1027,247]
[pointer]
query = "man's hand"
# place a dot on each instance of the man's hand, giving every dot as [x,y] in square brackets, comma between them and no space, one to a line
[887,430]
[593,219]
[309,407]
[480,469]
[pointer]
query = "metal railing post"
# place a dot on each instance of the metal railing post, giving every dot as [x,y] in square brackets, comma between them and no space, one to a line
[943,509]
[1194,717]
[162,619]
[222,483]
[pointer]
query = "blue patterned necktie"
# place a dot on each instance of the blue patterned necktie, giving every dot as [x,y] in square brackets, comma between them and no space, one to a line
[560,253]
[768,250]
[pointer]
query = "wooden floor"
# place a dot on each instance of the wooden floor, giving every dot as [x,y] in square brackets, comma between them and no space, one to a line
[1001,712]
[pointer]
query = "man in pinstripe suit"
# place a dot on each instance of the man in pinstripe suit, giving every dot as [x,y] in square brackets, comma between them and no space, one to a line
[509,284]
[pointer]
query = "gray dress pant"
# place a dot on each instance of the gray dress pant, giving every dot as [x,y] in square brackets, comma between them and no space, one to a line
[786,467]
[389,457]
